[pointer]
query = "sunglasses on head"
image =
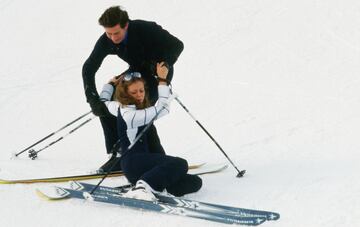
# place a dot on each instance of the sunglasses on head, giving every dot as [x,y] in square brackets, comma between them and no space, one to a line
[131,76]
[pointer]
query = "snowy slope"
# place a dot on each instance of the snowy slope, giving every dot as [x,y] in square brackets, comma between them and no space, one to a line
[275,82]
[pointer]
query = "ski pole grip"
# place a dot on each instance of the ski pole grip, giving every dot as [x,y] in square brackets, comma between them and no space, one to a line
[171,98]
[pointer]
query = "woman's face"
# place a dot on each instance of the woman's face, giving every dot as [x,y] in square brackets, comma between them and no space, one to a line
[137,91]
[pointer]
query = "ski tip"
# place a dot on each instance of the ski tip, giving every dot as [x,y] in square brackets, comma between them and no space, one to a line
[273,216]
[195,166]
[46,197]
[52,193]
[41,194]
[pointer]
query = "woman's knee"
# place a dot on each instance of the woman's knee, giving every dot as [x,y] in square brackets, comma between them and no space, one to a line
[197,182]
[187,184]
[182,164]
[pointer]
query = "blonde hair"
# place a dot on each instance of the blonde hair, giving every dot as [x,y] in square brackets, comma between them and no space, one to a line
[122,95]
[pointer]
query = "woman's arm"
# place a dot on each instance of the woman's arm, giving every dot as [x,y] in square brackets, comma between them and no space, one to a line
[106,95]
[135,118]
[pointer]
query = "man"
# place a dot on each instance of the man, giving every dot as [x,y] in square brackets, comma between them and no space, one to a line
[141,44]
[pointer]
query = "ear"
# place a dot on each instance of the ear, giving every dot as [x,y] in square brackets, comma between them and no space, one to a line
[126,26]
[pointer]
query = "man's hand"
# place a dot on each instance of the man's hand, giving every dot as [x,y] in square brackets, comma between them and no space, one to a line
[99,108]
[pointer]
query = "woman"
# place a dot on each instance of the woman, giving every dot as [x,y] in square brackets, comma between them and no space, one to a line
[150,171]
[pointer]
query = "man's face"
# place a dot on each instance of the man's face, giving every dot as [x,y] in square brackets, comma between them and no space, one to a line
[116,33]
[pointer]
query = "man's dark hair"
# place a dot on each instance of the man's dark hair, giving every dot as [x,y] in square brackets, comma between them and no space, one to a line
[113,16]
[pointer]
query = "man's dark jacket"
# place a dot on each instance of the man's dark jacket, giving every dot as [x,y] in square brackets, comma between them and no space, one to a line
[146,43]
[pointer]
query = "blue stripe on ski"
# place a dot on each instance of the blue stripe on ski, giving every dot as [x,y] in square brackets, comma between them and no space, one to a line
[156,207]
[242,212]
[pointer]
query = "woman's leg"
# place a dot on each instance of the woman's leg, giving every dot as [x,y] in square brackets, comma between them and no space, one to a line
[153,141]
[159,171]
[187,184]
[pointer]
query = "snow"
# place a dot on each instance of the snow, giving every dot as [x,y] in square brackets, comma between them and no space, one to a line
[275,82]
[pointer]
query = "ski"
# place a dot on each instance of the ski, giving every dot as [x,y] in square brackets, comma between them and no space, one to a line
[155,206]
[198,169]
[181,202]
[61,178]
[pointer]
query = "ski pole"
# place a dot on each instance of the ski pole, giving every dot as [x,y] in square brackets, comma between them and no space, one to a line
[240,173]
[88,195]
[33,153]
[51,134]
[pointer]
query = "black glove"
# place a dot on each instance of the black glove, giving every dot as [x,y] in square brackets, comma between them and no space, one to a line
[99,108]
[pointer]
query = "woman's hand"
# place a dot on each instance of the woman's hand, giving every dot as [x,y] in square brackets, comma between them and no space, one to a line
[162,70]
[115,81]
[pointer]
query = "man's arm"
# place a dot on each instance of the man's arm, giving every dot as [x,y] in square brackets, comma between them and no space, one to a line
[90,67]
[168,47]
[171,46]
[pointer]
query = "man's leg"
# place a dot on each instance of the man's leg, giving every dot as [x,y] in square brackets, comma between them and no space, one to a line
[109,125]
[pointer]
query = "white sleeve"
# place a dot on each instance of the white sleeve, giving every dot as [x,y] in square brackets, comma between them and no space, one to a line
[136,118]
[106,95]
